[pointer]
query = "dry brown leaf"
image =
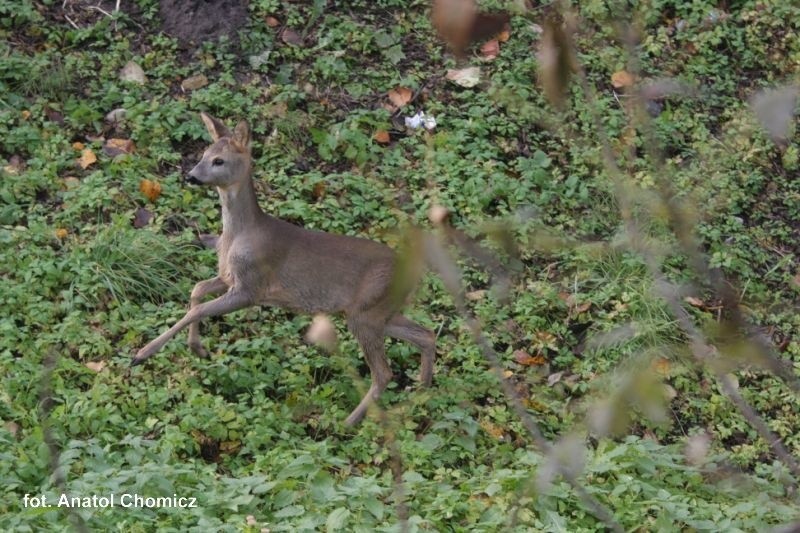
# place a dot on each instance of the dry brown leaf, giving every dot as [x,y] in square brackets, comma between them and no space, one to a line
[490,49]
[382,136]
[272,22]
[504,36]
[319,190]
[289,36]
[151,189]
[524,358]
[87,158]
[142,218]
[465,77]
[25,114]
[480,294]
[695,302]
[400,96]
[115,147]
[507,374]
[97,366]
[193,83]
[662,366]
[493,429]
[622,78]
[552,379]
[61,233]
[78,145]
[583,307]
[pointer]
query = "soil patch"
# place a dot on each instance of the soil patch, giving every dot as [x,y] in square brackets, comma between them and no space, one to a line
[195,21]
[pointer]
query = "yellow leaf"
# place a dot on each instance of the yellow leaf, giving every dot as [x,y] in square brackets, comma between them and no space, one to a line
[622,78]
[151,189]
[504,36]
[78,145]
[61,233]
[87,158]
[26,114]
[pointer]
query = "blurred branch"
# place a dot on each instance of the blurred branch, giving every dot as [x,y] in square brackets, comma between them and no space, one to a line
[45,409]
[440,260]
[685,234]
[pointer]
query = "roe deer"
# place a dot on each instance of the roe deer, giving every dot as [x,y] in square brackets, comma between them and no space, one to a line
[266,261]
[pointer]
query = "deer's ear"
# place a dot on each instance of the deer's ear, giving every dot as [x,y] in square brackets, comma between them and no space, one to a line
[241,135]
[215,128]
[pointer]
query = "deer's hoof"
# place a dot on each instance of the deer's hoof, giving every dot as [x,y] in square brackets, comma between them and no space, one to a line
[199,351]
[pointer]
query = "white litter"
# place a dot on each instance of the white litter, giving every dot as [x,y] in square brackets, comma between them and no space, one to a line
[421,119]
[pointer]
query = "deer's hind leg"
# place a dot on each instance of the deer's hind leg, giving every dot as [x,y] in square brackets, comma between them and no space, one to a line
[213,286]
[370,336]
[400,327]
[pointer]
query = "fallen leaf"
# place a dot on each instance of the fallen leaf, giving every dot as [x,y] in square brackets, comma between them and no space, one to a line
[465,77]
[661,365]
[97,366]
[132,72]
[493,429]
[54,116]
[115,115]
[552,379]
[382,136]
[524,358]
[25,114]
[289,36]
[476,295]
[504,36]
[78,145]
[194,82]
[695,302]
[151,189]
[622,78]
[507,374]
[142,218]
[61,233]
[583,307]
[272,22]
[400,96]
[12,427]
[115,147]
[319,190]
[490,49]
[87,158]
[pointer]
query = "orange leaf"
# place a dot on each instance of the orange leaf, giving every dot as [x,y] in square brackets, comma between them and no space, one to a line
[115,147]
[61,233]
[78,145]
[151,189]
[522,357]
[400,96]
[622,78]
[382,136]
[272,22]
[504,36]
[661,366]
[490,49]
[87,158]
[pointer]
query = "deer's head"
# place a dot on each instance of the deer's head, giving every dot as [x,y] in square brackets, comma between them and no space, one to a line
[227,161]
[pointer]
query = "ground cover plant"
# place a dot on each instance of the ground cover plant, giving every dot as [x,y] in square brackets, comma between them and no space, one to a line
[629,168]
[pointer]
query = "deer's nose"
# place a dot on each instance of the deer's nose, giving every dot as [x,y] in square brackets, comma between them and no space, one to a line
[191,178]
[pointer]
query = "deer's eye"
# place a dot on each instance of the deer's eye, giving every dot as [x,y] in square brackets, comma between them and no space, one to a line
[217,162]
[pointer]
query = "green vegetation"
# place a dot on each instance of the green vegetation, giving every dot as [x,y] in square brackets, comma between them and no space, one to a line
[91,269]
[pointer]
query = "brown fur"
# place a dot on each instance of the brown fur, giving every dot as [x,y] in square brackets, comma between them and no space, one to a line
[266,261]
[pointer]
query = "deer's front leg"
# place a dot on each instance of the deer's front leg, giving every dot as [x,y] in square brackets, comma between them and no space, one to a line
[234,299]
[211,286]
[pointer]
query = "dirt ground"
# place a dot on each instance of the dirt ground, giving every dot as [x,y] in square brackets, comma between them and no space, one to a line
[195,21]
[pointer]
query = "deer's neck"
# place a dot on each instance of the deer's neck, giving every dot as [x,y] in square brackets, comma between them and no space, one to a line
[240,210]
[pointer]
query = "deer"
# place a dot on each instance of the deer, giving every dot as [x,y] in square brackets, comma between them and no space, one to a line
[266,261]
